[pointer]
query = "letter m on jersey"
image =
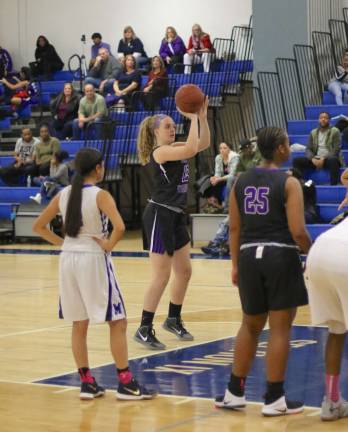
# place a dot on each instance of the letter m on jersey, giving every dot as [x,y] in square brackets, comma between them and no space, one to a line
[256,200]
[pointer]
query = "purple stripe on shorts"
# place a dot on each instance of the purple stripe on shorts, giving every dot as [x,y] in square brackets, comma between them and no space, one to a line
[109,308]
[117,288]
[157,245]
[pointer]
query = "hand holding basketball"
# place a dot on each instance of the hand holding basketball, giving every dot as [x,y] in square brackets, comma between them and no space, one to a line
[189,99]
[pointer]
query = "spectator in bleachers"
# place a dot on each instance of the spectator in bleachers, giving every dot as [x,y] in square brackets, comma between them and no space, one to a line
[309,197]
[156,87]
[249,155]
[5,63]
[221,182]
[199,49]
[130,44]
[339,83]
[172,48]
[47,60]
[104,71]
[127,82]
[323,150]
[64,109]
[97,44]
[20,91]
[24,159]
[92,108]
[58,178]
[44,151]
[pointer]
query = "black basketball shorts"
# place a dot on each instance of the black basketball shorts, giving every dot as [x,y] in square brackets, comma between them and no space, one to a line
[270,278]
[164,230]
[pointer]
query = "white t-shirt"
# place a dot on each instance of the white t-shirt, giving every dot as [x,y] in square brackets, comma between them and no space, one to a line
[26,149]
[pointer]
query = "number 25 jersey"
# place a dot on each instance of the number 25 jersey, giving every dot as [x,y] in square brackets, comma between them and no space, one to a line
[260,195]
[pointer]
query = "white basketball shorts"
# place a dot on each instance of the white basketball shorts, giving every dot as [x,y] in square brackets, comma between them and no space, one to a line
[327,272]
[88,288]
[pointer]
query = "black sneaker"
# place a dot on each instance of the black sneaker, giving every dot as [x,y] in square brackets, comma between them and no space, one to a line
[134,391]
[146,336]
[213,251]
[91,390]
[176,326]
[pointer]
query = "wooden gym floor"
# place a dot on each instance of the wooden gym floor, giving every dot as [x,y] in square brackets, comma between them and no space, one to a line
[35,344]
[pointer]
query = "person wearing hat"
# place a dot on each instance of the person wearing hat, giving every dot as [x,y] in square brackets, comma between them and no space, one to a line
[97,44]
[249,155]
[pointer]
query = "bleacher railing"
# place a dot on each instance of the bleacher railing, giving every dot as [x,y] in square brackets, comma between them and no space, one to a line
[324,52]
[253,111]
[243,48]
[308,74]
[272,99]
[338,30]
[290,88]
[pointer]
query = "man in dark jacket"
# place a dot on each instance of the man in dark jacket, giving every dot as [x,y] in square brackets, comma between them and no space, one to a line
[323,150]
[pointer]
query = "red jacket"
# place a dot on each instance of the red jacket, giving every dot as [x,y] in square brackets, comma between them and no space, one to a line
[204,39]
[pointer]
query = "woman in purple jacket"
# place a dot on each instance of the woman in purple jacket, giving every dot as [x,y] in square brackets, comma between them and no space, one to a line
[172,47]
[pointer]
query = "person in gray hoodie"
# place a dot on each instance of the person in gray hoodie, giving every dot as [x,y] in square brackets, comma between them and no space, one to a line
[104,71]
[58,178]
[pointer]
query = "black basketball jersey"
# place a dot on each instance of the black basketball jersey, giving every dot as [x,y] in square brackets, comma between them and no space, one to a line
[260,195]
[170,182]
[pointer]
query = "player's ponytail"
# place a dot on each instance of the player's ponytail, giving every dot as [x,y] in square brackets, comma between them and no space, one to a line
[85,161]
[269,139]
[146,137]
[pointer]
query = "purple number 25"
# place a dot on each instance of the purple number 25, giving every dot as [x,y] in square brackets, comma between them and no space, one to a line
[256,200]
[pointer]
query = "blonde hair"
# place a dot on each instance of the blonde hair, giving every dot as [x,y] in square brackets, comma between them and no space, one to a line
[146,137]
[201,32]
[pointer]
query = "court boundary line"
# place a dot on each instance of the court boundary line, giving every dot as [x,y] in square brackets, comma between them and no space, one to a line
[117,254]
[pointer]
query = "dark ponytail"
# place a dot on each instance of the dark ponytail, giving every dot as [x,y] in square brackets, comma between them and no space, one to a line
[269,139]
[85,161]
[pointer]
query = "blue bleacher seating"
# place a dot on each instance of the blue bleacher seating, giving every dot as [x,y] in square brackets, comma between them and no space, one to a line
[63,76]
[17,194]
[5,123]
[330,194]
[313,111]
[328,211]
[316,229]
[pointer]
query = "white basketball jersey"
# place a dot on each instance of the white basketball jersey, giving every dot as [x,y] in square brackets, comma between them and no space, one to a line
[338,232]
[94,222]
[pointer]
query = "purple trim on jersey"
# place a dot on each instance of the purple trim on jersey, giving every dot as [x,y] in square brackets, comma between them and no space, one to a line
[60,313]
[156,245]
[87,185]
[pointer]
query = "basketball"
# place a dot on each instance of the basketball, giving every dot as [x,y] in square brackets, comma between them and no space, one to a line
[189,98]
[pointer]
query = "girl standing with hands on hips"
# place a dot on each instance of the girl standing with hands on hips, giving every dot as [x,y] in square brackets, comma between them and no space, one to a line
[88,288]
[164,219]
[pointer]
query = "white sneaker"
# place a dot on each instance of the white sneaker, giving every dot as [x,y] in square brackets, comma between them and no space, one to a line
[37,198]
[230,401]
[331,411]
[282,406]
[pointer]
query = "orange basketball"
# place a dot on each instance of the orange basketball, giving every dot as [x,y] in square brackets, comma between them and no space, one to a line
[189,98]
